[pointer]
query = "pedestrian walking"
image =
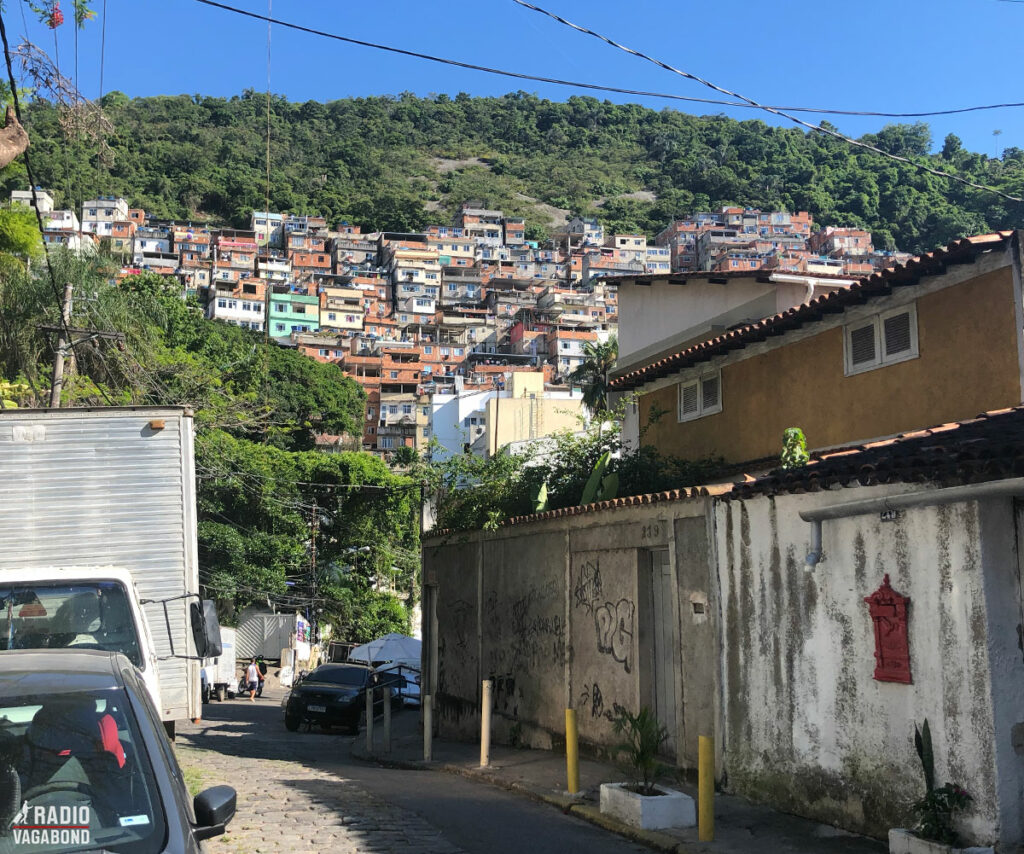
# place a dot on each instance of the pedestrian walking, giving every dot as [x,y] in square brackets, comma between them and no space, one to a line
[261,666]
[252,679]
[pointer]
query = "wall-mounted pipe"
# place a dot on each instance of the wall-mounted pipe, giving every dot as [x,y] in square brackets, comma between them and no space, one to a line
[814,556]
[949,495]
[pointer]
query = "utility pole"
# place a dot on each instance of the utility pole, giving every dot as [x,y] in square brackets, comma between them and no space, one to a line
[266,307]
[314,527]
[63,343]
[67,337]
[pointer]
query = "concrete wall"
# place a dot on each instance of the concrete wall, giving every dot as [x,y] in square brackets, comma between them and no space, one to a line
[777,661]
[806,726]
[552,610]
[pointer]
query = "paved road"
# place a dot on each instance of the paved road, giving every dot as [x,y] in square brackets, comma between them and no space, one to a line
[300,792]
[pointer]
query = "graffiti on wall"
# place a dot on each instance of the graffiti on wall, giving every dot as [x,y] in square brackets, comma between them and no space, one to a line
[530,634]
[506,697]
[588,589]
[614,624]
[461,611]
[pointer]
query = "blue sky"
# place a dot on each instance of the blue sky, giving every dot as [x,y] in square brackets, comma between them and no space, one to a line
[880,55]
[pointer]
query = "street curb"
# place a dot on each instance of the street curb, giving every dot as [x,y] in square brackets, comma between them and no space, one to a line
[650,838]
[565,803]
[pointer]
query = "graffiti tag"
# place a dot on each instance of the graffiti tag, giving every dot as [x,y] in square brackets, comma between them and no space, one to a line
[588,587]
[614,625]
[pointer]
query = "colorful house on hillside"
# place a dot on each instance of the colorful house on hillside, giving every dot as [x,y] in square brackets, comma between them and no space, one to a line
[293,312]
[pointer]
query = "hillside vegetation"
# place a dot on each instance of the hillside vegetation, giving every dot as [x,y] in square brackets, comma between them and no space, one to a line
[401,162]
[263,490]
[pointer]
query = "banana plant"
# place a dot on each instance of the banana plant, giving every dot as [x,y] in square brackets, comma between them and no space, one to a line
[600,487]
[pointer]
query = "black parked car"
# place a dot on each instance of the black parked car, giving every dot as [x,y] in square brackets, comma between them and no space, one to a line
[85,764]
[335,695]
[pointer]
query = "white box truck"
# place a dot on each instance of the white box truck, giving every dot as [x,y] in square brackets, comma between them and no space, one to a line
[220,673]
[98,542]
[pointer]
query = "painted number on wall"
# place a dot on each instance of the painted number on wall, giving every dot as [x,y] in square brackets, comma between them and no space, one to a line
[650,532]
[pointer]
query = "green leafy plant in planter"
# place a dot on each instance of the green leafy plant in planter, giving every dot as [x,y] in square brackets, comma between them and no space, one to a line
[935,810]
[644,737]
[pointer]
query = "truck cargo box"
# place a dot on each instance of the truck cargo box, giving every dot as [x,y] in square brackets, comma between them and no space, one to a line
[110,487]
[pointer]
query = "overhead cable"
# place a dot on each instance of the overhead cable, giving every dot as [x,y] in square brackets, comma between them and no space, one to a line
[773,110]
[575,84]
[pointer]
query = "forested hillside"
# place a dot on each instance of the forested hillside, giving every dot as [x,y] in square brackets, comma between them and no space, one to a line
[401,162]
[263,491]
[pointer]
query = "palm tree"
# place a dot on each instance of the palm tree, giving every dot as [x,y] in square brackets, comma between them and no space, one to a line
[592,373]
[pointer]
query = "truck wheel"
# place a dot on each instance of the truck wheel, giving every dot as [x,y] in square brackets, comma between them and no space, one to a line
[169,728]
[206,693]
[291,722]
[222,692]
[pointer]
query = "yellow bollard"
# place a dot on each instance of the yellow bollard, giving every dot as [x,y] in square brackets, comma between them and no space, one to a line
[485,724]
[428,730]
[572,751]
[705,789]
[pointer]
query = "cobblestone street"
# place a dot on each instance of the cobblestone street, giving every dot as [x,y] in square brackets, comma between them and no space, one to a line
[304,792]
[293,791]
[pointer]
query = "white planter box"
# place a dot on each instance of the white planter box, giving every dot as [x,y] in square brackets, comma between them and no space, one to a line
[649,812]
[904,842]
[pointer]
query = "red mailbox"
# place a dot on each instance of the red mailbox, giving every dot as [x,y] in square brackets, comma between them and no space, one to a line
[892,647]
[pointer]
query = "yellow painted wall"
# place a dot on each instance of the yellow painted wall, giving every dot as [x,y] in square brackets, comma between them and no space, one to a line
[967,364]
[509,419]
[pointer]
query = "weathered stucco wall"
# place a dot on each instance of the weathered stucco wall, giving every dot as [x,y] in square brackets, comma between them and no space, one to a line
[777,661]
[457,701]
[605,662]
[806,726]
[523,629]
[551,611]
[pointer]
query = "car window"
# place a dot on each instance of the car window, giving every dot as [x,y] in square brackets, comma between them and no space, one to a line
[79,767]
[143,703]
[80,615]
[355,677]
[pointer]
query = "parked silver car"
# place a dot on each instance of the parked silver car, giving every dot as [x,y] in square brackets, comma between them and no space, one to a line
[85,764]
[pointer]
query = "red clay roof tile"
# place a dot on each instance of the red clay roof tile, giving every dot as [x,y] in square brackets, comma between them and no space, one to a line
[988,447]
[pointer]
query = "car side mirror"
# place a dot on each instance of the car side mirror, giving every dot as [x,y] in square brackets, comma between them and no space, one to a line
[214,808]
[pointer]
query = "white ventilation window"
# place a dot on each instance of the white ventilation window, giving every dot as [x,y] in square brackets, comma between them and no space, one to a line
[700,396]
[881,340]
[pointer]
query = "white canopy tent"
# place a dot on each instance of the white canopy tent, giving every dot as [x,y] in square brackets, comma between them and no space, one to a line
[393,647]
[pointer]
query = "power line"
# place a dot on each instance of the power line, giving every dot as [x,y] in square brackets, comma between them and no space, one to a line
[575,84]
[35,197]
[773,110]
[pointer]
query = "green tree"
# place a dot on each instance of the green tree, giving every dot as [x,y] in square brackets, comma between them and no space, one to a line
[592,373]
[19,233]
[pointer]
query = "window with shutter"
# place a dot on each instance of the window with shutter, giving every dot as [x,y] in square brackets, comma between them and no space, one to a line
[709,393]
[883,339]
[862,345]
[689,403]
[700,397]
[896,335]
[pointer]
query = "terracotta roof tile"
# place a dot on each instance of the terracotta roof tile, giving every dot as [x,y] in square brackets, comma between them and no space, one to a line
[931,263]
[988,447]
[682,494]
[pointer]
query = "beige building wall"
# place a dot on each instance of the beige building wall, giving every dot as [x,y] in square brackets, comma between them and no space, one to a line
[528,414]
[967,364]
